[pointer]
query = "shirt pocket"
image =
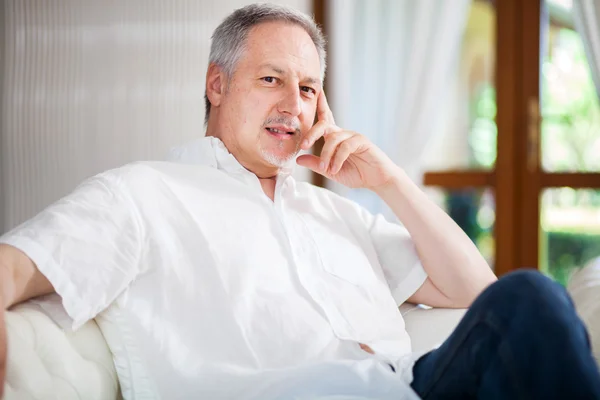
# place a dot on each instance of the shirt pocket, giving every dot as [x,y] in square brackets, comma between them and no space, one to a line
[341,254]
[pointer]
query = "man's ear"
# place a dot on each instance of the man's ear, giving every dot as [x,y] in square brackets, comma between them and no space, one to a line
[215,84]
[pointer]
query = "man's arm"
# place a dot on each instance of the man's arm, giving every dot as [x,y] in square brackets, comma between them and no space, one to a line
[457,272]
[20,280]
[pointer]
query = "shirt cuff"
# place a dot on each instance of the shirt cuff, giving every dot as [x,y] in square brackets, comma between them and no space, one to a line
[409,285]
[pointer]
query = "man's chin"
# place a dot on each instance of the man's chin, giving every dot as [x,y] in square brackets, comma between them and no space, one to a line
[280,160]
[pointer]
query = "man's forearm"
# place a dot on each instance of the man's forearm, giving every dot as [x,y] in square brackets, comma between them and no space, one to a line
[7,281]
[452,262]
[20,279]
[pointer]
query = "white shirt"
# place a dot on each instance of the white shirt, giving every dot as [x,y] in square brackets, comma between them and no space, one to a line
[208,289]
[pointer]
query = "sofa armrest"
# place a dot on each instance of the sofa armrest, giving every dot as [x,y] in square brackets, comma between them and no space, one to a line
[584,288]
[45,362]
[429,327]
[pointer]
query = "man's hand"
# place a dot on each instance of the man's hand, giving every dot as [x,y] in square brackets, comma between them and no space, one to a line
[347,157]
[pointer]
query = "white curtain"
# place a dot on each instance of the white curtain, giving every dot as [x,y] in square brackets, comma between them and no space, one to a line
[391,68]
[586,14]
[88,85]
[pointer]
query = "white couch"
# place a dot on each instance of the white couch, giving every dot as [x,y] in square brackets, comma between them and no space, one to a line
[44,362]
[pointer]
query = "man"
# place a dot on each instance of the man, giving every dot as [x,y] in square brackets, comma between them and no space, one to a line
[224,278]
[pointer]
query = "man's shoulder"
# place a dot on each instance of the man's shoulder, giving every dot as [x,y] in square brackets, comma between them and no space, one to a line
[144,173]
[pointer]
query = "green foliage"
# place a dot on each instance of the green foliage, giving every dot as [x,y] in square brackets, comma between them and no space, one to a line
[484,132]
[568,251]
[462,206]
[570,109]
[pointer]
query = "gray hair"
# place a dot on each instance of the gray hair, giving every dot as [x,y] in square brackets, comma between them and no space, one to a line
[229,39]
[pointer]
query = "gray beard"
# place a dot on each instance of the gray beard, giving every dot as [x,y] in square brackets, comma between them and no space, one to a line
[279,161]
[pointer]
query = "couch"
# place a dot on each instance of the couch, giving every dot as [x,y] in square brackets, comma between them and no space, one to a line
[45,362]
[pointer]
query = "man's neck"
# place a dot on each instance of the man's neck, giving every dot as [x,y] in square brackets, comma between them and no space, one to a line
[268,180]
[268,186]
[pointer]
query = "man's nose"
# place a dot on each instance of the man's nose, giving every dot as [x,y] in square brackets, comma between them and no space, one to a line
[291,102]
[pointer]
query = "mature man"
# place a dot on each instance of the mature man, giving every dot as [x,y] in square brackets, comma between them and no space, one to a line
[220,276]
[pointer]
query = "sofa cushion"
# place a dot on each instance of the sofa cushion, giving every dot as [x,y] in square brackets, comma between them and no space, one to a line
[429,327]
[44,361]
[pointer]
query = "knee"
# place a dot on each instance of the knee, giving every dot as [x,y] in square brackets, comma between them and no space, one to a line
[530,291]
[527,280]
[537,306]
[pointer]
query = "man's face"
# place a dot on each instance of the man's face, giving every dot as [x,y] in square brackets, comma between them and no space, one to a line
[271,99]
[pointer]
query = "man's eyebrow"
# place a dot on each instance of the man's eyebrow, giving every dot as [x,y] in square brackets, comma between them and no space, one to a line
[312,81]
[308,80]
[272,67]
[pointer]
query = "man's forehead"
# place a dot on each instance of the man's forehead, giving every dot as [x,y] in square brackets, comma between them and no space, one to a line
[285,46]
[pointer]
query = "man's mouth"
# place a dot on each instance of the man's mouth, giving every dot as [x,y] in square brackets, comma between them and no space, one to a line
[279,131]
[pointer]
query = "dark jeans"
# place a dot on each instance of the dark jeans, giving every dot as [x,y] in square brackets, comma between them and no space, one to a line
[521,339]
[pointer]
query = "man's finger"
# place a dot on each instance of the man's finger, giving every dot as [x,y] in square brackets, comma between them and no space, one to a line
[309,161]
[323,111]
[343,151]
[331,143]
[318,130]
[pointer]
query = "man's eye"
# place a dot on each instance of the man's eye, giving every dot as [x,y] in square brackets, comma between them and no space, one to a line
[269,79]
[308,89]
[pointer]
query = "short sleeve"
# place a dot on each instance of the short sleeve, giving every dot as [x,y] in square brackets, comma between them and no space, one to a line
[88,245]
[397,255]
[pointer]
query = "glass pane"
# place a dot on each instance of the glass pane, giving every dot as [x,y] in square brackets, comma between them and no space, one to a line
[569,101]
[474,210]
[468,138]
[570,234]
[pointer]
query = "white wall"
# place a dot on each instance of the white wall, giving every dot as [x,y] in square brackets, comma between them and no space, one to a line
[89,85]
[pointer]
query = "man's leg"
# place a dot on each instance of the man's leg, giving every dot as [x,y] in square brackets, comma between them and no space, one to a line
[521,339]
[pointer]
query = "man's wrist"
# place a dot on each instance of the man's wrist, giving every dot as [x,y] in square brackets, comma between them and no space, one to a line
[397,179]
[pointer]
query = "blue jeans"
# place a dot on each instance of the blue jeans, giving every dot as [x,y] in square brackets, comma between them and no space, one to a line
[521,339]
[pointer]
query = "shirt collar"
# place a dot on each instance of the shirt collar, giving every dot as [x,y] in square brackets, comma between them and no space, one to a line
[212,152]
